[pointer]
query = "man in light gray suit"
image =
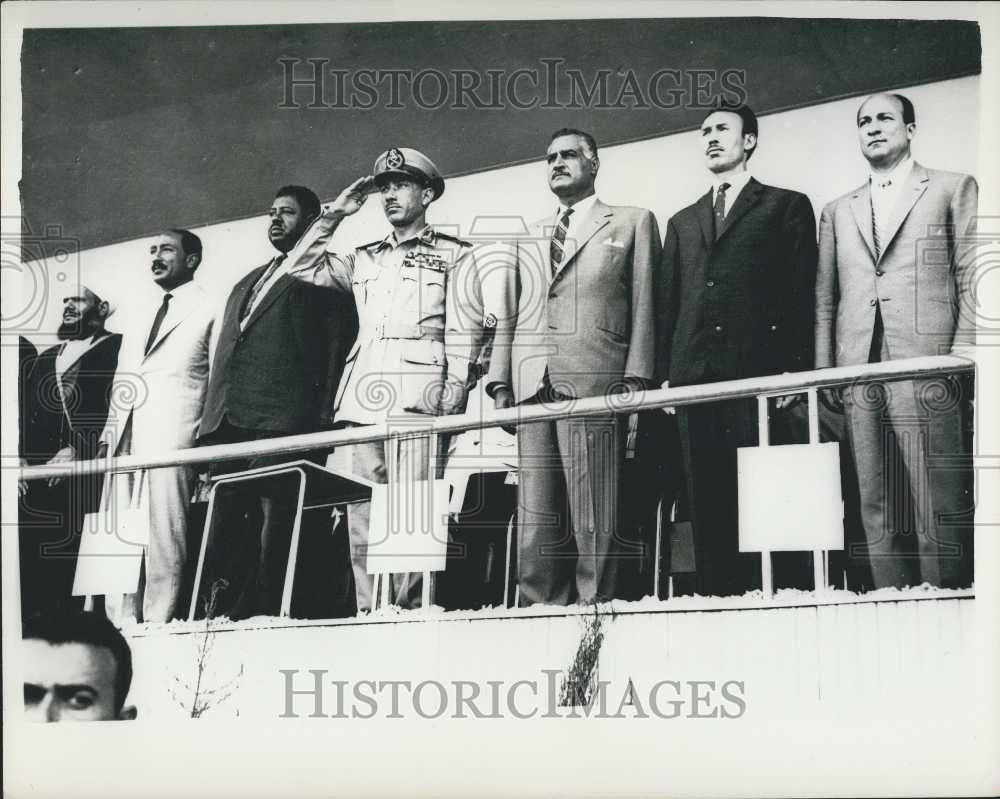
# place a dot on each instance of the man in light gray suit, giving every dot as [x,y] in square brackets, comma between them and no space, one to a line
[584,299]
[894,282]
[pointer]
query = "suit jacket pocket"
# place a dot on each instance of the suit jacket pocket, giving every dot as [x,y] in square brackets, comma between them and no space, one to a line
[616,332]
[423,351]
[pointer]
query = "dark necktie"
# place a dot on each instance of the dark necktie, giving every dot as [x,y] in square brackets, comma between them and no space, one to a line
[719,210]
[161,314]
[259,285]
[556,248]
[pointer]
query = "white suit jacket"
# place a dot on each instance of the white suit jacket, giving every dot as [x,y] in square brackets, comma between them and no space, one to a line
[163,391]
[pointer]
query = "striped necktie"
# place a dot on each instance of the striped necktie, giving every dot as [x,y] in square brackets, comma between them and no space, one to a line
[876,233]
[557,247]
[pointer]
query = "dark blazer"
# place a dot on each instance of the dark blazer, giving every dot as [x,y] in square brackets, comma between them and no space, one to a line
[741,306]
[280,373]
[75,415]
[27,412]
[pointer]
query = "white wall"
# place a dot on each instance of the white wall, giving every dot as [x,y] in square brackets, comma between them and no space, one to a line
[813,150]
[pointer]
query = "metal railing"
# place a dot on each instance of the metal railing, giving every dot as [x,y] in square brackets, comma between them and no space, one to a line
[772,385]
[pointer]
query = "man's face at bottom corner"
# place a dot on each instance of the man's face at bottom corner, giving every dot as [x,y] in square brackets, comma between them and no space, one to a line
[68,682]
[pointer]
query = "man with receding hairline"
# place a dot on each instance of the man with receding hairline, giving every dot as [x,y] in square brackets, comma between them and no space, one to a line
[894,282]
[160,391]
[588,332]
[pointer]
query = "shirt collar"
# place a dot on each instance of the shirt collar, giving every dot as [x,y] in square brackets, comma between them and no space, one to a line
[736,183]
[896,177]
[579,209]
[425,236]
[181,290]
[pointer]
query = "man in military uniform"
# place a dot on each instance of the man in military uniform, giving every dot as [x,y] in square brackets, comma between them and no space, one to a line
[422,328]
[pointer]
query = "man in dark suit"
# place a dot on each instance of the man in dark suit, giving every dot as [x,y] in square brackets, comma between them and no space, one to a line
[280,353]
[736,300]
[894,281]
[588,333]
[70,396]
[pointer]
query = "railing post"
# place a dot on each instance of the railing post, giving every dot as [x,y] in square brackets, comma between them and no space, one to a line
[764,440]
[819,556]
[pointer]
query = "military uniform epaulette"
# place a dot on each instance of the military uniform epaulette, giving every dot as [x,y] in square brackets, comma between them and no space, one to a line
[446,237]
[371,244]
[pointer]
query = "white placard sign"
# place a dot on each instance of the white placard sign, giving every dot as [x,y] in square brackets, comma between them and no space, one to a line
[408,529]
[111,549]
[789,498]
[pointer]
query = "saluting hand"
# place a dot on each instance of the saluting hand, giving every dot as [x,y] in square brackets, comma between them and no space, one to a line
[350,200]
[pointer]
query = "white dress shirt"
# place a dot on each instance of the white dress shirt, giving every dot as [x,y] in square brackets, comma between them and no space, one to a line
[736,183]
[275,276]
[580,211]
[886,191]
[178,297]
[71,351]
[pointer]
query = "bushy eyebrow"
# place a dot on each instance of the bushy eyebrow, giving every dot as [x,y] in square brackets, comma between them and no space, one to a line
[718,126]
[67,691]
[564,153]
[879,115]
[63,691]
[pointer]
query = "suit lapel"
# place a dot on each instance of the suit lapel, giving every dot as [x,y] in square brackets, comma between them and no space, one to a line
[744,202]
[916,185]
[599,216]
[861,206]
[90,345]
[283,284]
[180,309]
[703,211]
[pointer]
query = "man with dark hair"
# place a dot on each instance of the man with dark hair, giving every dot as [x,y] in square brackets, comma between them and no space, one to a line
[160,391]
[305,197]
[423,328]
[280,352]
[69,401]
[587,333]
[894,281]
[906,107]
[588,139]
[735,301]
[77,667]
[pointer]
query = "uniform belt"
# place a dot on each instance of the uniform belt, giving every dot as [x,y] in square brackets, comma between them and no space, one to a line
[425,332]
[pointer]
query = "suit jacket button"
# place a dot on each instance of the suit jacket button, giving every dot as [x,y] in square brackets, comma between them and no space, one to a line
[710,283]
[873,303]
[879,273]
[774,327]
[718,328]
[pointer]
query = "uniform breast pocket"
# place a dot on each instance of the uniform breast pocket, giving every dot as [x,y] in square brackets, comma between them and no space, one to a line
[364,282]
[425,290]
